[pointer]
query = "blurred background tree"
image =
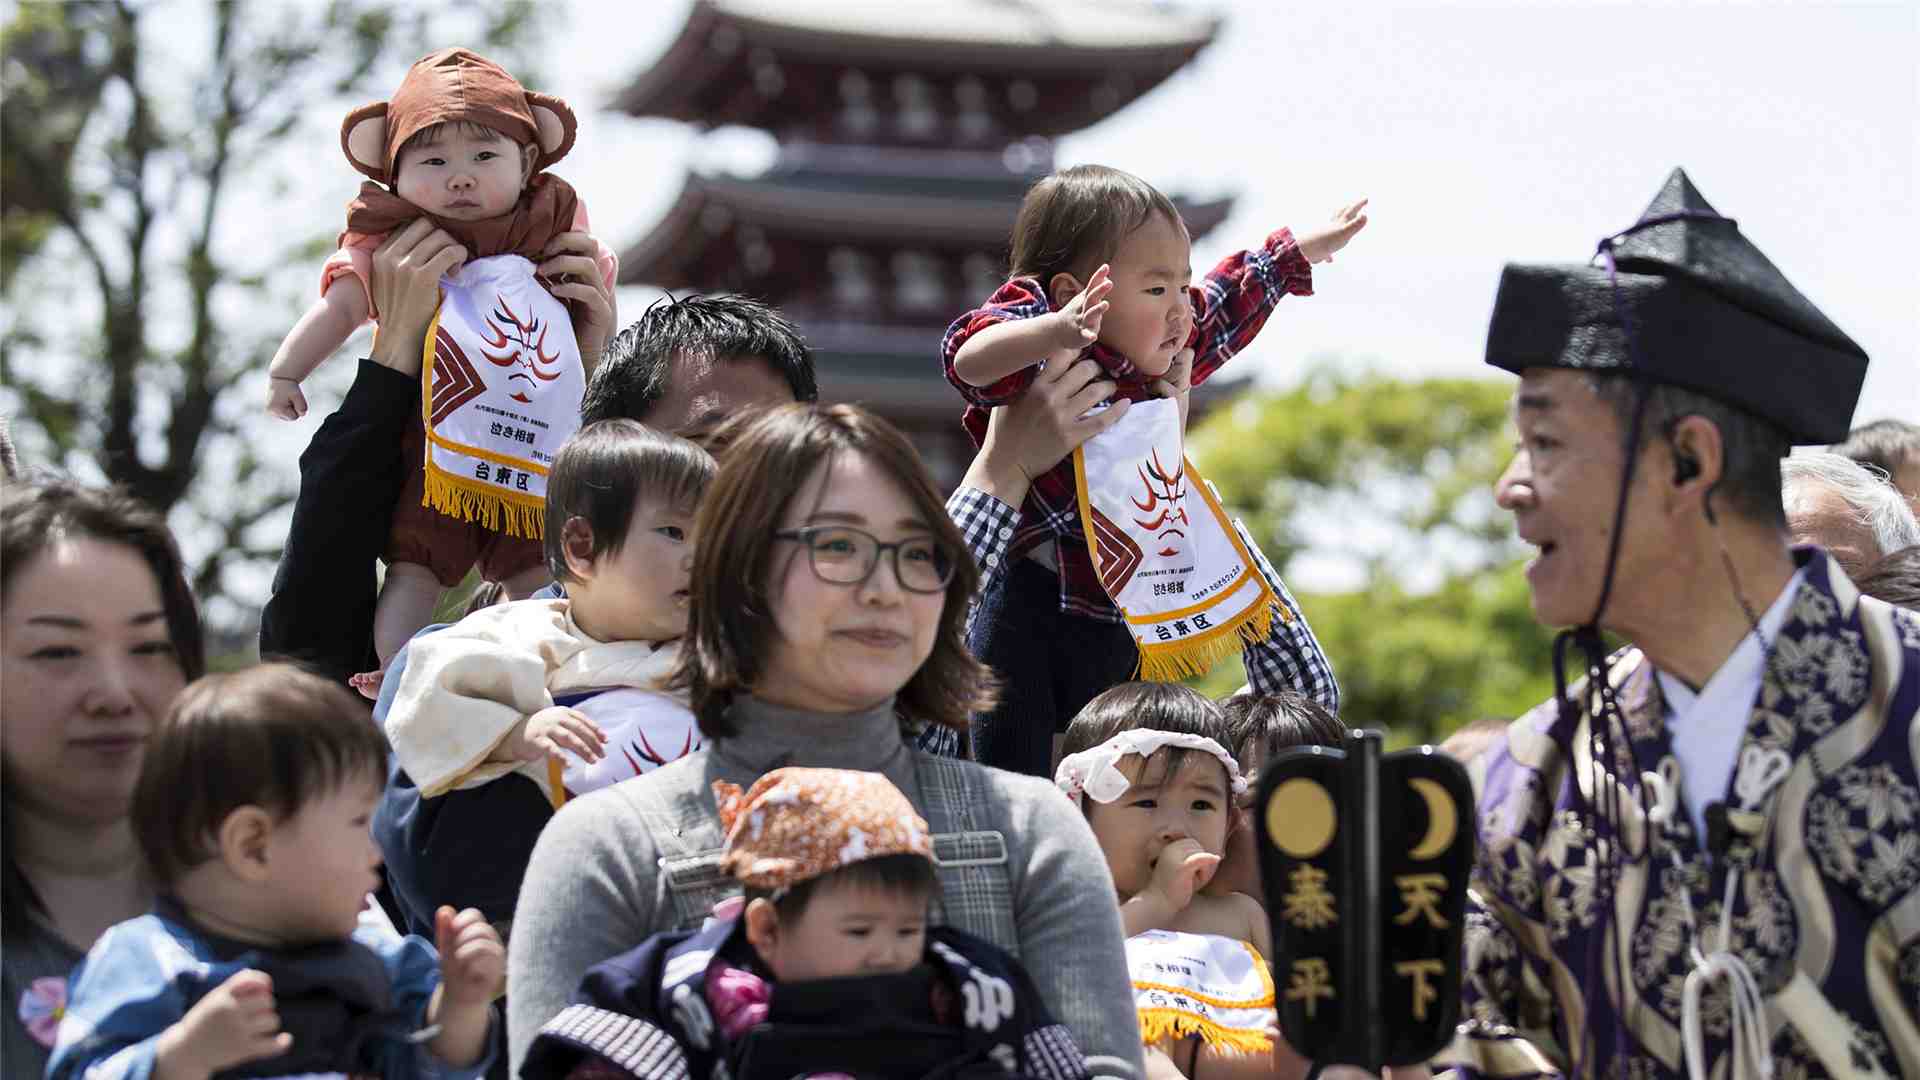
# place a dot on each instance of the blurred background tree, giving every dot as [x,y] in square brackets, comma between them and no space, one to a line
[1389,481]
[143,145]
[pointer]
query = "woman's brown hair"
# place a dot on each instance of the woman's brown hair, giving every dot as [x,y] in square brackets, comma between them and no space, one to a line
[730,623]
[1074,220]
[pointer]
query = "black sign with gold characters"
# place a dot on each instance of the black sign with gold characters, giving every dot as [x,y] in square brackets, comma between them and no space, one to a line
[1365,860]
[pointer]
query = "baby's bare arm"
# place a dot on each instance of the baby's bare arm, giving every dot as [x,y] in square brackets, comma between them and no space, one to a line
[1233,915]
[1058,336]
[1004,348]
[324,328]
[1259,928]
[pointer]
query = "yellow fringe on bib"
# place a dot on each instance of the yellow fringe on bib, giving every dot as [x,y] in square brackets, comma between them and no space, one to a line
[1157,1024]
[515,513]
[1171,661]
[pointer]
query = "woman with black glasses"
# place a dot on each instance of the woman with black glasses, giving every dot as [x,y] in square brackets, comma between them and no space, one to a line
[830,593]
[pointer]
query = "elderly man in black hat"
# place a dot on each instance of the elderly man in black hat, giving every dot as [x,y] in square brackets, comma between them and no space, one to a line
[1703,858]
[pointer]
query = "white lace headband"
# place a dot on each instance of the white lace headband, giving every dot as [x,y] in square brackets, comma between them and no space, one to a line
[1096,772]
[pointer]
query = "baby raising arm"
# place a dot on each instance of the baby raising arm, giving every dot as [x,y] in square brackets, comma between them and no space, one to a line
[1004,348]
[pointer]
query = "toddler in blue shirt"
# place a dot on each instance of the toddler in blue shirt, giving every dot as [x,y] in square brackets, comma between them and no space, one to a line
[252,814]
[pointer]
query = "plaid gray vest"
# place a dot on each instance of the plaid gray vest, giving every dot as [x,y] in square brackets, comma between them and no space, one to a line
[976,890]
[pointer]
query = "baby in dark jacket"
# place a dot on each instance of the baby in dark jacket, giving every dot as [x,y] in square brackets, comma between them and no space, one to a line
[827,968]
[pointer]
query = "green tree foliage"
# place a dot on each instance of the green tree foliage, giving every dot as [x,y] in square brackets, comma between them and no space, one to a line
[143,144]
[1394,476]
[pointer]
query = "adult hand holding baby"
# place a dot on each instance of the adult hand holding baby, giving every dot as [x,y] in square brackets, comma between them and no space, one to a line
[1177,383]
[574,276]
[1037,430]
[407,269]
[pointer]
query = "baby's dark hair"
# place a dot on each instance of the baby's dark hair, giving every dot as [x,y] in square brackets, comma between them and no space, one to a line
[1152,706]
[604,469]
[1074,220]
[273,736]
[905,873]
[1277,721]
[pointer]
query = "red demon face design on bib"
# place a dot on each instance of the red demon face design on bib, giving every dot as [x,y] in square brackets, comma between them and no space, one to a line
[1168,488]
[525,345]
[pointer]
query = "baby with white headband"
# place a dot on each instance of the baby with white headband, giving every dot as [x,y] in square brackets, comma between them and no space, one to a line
[1146,764]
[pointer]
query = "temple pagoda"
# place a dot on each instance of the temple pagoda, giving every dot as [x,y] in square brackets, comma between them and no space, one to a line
[907,135]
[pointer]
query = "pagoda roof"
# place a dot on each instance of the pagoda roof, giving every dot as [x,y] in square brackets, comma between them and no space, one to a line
[707,76]
[954,213]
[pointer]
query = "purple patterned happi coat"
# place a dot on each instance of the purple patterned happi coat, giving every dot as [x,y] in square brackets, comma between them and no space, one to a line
[1826,910]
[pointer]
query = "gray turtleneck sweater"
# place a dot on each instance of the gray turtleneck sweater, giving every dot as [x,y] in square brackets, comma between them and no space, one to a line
[590,889]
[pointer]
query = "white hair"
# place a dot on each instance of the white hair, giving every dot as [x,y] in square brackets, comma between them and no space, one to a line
[1876,503]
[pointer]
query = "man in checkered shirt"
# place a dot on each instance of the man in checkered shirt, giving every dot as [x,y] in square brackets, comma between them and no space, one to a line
[1100,269]
[1028,436]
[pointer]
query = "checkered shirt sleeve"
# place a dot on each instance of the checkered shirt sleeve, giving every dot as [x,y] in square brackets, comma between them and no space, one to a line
[939,740]
[986,526]
[1290,658]
[1021,298]
[1232,302]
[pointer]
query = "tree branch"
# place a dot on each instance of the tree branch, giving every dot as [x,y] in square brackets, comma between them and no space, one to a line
[123,329]
[193,406]
[233,538]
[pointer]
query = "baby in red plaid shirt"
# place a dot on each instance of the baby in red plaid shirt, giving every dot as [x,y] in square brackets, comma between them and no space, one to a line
[1101,267]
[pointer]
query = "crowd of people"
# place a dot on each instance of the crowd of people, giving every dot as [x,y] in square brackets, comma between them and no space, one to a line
[761,756]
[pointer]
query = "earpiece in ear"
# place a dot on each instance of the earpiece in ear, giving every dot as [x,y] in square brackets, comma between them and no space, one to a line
[1685,468]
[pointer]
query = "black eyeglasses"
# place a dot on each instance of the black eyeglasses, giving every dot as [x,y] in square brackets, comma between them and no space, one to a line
[847,556]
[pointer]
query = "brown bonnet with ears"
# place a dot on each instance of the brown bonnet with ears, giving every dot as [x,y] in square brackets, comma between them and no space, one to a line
[456,85]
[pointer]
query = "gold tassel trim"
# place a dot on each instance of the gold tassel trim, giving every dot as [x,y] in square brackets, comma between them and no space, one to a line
[512,512]
[1172,661]
[556,772]
[1172,1024]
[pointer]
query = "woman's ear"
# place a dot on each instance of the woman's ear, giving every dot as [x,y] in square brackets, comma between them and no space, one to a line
[244,838]
[763,927]
[576,545]
[1062,288]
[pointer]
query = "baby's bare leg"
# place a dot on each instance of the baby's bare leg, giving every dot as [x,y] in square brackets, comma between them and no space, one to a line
[1283,1064]
[407,598]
